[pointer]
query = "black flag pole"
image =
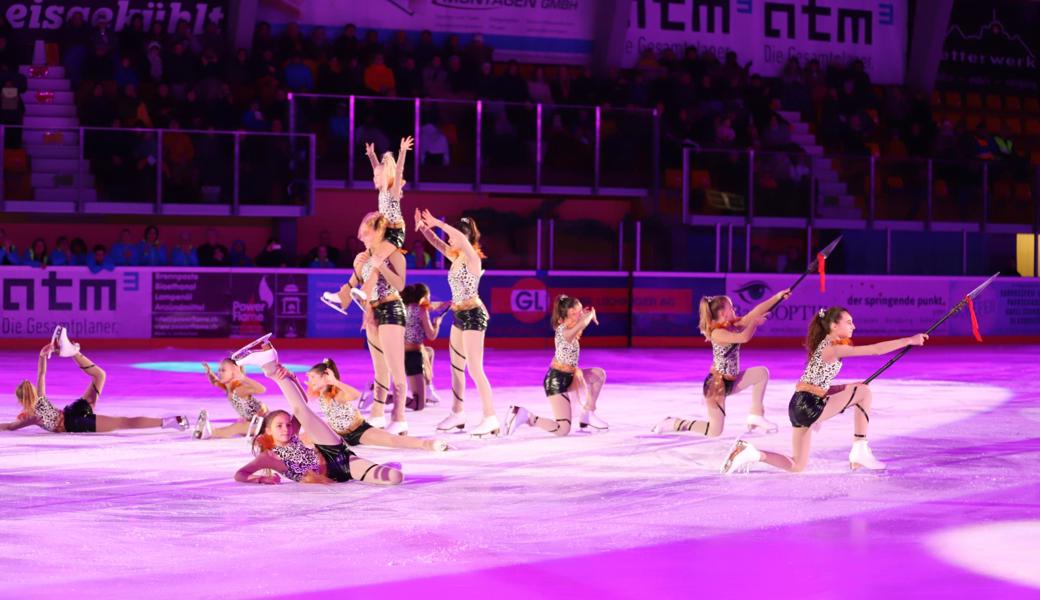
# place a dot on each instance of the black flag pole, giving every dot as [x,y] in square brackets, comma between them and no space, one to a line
[813,266]
[960,306]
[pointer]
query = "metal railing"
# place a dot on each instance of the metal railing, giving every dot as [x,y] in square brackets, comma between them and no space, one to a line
[157,171]
[485,145]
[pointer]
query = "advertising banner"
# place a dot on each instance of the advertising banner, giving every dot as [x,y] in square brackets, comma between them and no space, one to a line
[666,306]
[536,30]
[769,33]
[992,45]
[1007,307]
[521,304]
[110,304]
[45,18]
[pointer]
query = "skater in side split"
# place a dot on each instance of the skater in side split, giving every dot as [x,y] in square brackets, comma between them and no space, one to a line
[78,417]
[571,390]
[466,342]
[815,399]
[423,323]
[278,447]
[720,326]
[338,401]
[241,392]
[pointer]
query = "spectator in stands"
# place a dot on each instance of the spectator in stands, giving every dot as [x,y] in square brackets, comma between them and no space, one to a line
[36,254]
[512,86]
[124,252]
[180,69]
[476,53]
[399,49]
[985,148]
[61,255]
[379,79]
[538,88]
[154,62]
[324,245]
[436,151]
[461,82]
[334,79]
[347,45]
[180,177]
[100,260]
[184,254]
[80,256]
[239,258]
[322,260]
[418,257]
[272,255]
[150,251]
[409,79]
[297,76]
[263,41]
[213,253]
[8,252]
[435,78]
[425,50]
[12,108]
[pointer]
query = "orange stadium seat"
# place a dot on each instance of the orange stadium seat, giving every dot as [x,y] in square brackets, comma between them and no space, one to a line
[973,100]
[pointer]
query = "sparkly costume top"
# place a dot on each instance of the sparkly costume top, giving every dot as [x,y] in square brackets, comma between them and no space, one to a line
[413,329]
[51,418]
[464,285]
[818,372]
[299,459]
[566,352]
[343,417]
[390,207]
[247,406]
[725,359]
[383,288]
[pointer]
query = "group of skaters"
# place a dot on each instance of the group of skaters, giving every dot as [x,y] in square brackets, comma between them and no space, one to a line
[398,321]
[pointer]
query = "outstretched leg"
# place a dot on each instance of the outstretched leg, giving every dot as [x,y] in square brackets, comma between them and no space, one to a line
[105,423]
[97,378]
[318,429]
[366,471]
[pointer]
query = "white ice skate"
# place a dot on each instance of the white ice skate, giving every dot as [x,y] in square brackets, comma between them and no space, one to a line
[258,352]
[861,456]
[761,423]
[65,347]
[454,420]
[740,454]
[515,417]
[489,427]
[203,430]
[175,422]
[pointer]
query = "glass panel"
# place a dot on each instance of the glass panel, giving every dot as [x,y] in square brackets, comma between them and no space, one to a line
[274,169]
[383,122]
[448,142]
[718,182]
[123,163]
[568,146]
[329,120]
[901,186]
[197,168]
[43,164]
[842,186]
[508,143]
[626,159]
[957,190]
[783,184]
[1011,192]
[773,250]
[586,244]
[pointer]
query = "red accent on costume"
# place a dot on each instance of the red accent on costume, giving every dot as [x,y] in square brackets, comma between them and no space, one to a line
[974,319]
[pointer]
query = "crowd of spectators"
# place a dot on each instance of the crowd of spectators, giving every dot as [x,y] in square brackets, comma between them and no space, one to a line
[151,251]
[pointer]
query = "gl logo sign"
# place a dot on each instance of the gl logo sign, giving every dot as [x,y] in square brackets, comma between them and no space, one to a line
[528,300]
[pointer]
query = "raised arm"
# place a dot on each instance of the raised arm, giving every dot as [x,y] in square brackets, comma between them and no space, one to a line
[587,317]
[41,370]
[251,387]
[370,152]
[213,378]
[763,308]
[406,145]
[264,461]
[430,235]
[835,352]
[458,240]
[724,336]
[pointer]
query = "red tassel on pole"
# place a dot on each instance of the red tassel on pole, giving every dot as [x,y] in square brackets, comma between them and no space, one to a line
[821,261]
[974,320]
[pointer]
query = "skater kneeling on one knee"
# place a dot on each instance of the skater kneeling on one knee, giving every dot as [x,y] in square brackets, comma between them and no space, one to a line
[815,399]
[423,322]
[278,446]
[720,325]
[572,391]
[78,417]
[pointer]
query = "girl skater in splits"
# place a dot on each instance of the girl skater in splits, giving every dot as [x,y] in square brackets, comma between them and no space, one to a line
[338,400]
[471,318]
[78,417]
[418,357]
[565,383]
[278,446]
[815,400]
[720,325]
[241,393]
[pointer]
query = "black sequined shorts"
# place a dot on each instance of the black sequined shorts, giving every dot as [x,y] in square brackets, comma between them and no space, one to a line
[728,384]
[354,437]
[80,417]
[474,319]
[337,461]
[557,382]
[395,235]
[390,313]
[805,408]
[413,362]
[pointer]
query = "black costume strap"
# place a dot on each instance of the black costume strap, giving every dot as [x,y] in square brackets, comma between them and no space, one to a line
[369,469]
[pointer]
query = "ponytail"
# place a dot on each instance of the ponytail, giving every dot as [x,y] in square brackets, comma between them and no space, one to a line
[820,326]
[561,304]
[708,311]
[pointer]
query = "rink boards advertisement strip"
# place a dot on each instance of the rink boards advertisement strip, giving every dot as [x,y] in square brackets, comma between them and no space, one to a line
[110,304]
[651,308]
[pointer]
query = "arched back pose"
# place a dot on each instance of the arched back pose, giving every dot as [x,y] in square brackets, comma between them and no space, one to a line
[384,322]
[720,325]
[241,393]
[572,391]
[466,343]
[78,417]
[338,401]
[278,446]
[815,400]
[418,357]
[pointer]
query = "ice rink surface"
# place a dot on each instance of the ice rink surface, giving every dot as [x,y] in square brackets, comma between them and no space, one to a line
[624,514]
